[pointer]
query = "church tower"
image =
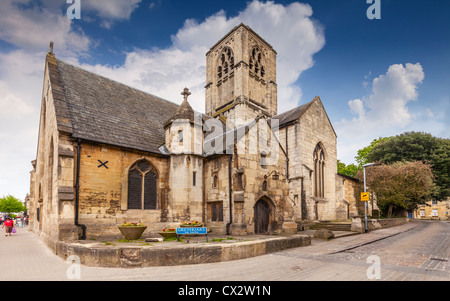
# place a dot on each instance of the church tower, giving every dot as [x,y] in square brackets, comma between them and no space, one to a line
[241,77]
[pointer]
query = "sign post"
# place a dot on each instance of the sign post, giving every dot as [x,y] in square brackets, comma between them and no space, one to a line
[366,196]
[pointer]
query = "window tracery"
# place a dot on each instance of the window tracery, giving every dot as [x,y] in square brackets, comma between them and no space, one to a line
[319,178]
[142,179]
[226,62]
[256,64]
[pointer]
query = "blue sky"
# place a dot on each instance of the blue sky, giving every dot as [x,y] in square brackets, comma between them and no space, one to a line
[376,78]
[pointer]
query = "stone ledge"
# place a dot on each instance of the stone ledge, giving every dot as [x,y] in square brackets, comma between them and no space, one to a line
[129,257]
[358,223]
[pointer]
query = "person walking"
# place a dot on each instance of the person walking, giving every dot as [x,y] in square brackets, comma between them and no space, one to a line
[9,224]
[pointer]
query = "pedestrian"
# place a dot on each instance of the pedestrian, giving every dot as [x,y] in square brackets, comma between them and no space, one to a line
[9,224]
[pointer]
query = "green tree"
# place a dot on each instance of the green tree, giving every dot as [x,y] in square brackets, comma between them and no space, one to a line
[349,170]
[400,185]
[11,204]
[363,153]
[417,146]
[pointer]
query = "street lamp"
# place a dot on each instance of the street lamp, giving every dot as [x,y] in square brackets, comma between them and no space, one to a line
[365,203]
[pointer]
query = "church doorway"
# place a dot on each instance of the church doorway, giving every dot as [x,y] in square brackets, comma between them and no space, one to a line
[262,214]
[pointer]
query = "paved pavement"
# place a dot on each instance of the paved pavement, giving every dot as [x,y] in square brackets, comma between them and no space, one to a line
[414,251]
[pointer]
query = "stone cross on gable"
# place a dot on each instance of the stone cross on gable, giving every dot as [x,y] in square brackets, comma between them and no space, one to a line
[51,47]
[185,93]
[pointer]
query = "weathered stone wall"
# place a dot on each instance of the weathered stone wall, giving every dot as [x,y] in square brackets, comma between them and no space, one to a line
[257,177]
[251,182]
[216,192]
[345,195]
[289,138]
[51,182]
[314,128]
[103,191]
[186,197]
[358,223]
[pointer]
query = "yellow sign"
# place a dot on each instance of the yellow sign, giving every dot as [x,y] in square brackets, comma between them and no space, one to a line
[364,196]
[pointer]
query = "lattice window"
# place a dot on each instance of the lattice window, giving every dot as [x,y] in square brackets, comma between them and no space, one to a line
[226,62]
[256,64]
[319,177]
[142,182]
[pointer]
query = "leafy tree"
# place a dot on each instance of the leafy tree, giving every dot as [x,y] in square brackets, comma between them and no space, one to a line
[361,158]
[10,204]
[417,146]
[349,170]
[400,185]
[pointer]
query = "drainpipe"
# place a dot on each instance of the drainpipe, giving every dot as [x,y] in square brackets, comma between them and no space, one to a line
[287,154]
[230,157]
[77,187]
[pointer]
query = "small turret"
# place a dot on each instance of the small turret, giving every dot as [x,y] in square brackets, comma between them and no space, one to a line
[184,129]
[184,140]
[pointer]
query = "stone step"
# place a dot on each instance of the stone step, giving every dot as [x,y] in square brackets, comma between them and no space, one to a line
[331,226]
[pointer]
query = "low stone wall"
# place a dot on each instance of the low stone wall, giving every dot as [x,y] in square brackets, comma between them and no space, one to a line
[358,223]
[148,256]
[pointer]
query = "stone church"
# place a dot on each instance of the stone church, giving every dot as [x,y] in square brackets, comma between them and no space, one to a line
[108,153]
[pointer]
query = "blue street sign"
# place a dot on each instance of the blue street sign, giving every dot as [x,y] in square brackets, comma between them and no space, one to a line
[193,230]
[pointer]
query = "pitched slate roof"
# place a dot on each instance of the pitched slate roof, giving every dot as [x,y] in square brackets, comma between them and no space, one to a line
[98,109]
[292,115]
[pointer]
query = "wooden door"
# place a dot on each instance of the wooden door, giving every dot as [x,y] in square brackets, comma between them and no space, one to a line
[262,217]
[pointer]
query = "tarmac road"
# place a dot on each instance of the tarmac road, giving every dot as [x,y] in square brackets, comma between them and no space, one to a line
[416,251]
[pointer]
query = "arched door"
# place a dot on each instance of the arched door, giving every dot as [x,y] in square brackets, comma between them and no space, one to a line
[262,217]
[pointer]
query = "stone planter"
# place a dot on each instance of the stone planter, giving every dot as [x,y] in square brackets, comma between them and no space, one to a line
[168,234]
[191,226]
[132,233]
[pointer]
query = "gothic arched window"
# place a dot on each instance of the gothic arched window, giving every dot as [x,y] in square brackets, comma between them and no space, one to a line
[256,62]
[264,186]
[319,178]
[226,63]
[215,182]
[142,179]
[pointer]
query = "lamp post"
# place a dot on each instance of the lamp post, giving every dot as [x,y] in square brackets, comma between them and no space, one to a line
[365,203]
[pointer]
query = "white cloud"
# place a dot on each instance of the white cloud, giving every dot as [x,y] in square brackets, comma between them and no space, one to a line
[33,27]
[392,91]
[165,72]
[111,10]
[357,107]
[21,79]
[382,113]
